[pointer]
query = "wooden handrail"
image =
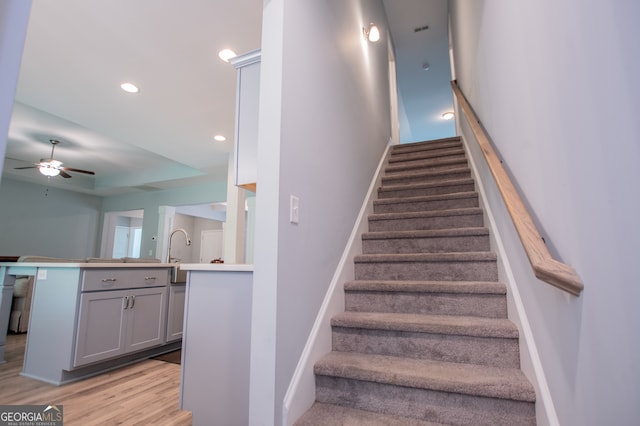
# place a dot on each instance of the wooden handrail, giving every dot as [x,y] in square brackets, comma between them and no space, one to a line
[544,266]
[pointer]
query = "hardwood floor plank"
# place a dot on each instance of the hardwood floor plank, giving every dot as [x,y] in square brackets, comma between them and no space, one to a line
[145,393]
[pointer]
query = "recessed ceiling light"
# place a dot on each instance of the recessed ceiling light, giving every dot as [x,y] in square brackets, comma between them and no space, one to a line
[129,87]
[226,54]
[220,138]
[371,33]
[447,115]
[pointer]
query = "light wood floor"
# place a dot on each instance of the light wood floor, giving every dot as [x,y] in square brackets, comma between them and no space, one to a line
[145,393]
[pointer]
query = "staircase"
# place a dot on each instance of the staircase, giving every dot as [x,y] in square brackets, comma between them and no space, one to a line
[425,338]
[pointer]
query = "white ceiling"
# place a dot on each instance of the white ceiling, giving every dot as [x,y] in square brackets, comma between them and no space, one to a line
[78,52]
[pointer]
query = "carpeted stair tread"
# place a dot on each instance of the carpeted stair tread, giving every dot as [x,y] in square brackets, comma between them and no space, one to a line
[428,188]
[436,324]
[452,287]
[467,298]
[445,163]
[426,145]
[427,257]
[423,198]
[443,240]
[468,379]
[321,414]
[410,215]
[428,233]
[460,266]
[424,176]
[397,157]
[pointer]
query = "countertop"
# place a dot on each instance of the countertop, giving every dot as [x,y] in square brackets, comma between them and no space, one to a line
[227,267]
[86,265]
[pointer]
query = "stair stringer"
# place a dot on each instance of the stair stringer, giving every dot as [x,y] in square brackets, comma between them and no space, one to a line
[301,392]
[530,362]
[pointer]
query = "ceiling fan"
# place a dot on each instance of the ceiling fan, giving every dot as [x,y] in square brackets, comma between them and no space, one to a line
[51,167]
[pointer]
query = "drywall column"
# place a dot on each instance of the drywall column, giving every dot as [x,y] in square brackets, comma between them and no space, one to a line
[247,102]
[234,227]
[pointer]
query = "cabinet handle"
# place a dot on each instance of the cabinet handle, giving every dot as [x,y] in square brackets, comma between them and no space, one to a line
[133,301]
[126,303]
[109,280]
[149,278]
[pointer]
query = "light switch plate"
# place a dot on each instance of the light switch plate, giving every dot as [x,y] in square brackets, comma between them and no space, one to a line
[294,209]
[42,274]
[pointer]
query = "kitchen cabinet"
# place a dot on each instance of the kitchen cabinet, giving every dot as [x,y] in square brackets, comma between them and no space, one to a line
[216,346]
[175,316]
[90,318]
[247,106]
[112,323]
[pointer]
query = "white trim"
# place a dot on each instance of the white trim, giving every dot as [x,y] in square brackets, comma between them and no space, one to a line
[245,59]
[301,392]
[527,341]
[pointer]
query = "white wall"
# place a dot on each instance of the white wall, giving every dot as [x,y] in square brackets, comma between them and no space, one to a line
[194,227]
[556,86]
[324,124]
[37,220]
[46,221]
[14,16]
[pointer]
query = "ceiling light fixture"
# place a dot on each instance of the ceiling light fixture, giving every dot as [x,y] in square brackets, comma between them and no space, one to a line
[426,66]
[220,138]
[226,54]
[372,33]
[50,168]
[447,115]
[129,87]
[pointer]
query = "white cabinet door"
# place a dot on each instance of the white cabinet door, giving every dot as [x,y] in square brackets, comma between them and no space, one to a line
[146,318]
[175,317]
[112,323]
[247,108]
[100,326]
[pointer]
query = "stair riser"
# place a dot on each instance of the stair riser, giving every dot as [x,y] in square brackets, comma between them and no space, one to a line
[425,155]
[426,223]
[427,165]
[426,245]
[419,176]
[496,352]
[435,406]
[480,305]
[422,192]
[425,270]
[430,146]
[421,206]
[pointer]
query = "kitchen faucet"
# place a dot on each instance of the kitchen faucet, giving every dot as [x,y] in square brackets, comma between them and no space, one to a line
[186,236]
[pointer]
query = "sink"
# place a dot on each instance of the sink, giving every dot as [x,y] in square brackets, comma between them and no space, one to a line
[178,275]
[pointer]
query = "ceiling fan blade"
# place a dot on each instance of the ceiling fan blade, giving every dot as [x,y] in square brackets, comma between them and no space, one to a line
[25,167]
[64,174]
[69,169]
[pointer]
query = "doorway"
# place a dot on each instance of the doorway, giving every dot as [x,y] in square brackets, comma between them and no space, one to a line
[122,234]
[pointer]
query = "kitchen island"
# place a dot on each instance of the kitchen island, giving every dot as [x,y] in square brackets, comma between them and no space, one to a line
[216,343]
[87,318]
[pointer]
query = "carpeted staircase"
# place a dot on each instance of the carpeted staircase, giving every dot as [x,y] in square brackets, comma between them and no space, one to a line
[425,338]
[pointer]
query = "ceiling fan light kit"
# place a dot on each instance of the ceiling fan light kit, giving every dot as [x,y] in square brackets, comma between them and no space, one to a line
[50,167]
